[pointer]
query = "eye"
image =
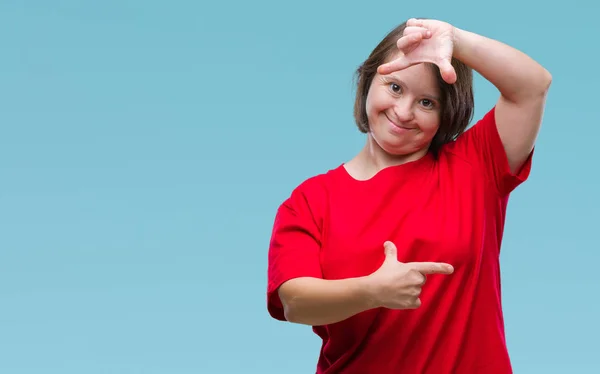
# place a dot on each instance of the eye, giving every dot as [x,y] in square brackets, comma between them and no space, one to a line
[427,103]
[395,88]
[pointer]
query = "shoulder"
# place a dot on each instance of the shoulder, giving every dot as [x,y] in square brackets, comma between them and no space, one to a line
[467,145]
[310,196]
[315,187]
[480,147]
[303,211]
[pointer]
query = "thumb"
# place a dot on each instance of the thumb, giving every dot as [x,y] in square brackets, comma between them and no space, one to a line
[447,71]
[391,253]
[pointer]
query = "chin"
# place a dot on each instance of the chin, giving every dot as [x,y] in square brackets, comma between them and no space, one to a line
[403,150]
[398,149]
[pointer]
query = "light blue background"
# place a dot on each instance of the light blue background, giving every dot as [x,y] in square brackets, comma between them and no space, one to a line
[145,146]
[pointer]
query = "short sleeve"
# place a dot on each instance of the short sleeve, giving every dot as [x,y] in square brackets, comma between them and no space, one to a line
[481,145]
[294,247]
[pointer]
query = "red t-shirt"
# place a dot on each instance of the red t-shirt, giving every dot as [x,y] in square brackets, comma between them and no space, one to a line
[450,209]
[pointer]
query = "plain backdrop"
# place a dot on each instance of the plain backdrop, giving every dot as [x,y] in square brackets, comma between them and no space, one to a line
[145,147]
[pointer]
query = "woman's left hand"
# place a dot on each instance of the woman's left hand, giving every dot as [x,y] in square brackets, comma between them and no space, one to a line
[425,41]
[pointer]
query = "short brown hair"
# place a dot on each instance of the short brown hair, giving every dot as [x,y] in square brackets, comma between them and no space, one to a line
[457,102]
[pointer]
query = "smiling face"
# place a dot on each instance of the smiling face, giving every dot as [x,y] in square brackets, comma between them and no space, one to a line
[454,111]
[403,110]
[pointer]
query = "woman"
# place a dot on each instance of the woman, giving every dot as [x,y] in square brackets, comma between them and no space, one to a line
[393,257]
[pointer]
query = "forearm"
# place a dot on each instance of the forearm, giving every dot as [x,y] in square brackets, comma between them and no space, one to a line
[317,302]
[517,76]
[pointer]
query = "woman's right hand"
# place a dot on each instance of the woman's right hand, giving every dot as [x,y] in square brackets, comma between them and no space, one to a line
[397,285]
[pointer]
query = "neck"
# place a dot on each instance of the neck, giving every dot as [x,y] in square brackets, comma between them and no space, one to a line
[372,159]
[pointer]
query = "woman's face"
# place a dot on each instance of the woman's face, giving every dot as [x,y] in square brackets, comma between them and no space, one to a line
[403,109]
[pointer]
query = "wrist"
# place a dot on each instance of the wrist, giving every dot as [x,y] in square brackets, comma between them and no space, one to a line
[367,291]
[460,42]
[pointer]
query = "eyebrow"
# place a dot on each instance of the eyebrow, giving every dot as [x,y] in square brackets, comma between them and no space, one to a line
[401,83]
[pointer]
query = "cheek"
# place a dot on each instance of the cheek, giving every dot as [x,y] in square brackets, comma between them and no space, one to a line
[430,123]
[376,103]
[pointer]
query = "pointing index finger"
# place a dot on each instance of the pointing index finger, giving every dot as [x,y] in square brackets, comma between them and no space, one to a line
[431,267]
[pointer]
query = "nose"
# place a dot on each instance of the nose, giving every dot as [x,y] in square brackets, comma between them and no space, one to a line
[404,110]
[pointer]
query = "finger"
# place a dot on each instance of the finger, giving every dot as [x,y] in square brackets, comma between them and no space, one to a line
[415,22]
[416,277]
[398,64]
[417,30]
[409,41]
[431,267]
[415,291]
[391,252]
[447,71]
[416,304]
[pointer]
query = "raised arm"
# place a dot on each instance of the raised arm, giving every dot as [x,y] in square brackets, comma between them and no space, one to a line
[522,82]
[523,85]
